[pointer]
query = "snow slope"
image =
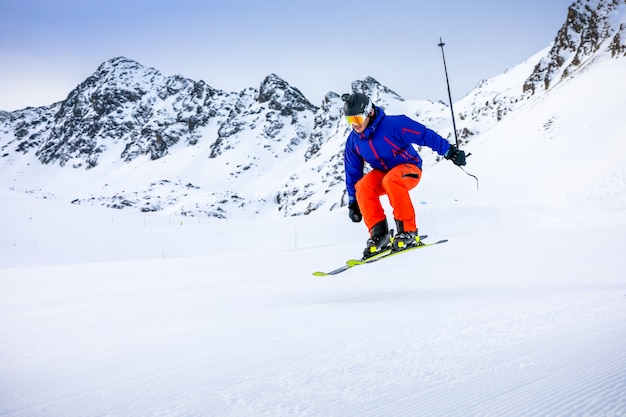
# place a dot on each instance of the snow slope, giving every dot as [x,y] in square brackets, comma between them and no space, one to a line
[521,313]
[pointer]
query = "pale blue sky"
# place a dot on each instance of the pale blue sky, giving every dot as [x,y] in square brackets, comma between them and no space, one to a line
[48,47]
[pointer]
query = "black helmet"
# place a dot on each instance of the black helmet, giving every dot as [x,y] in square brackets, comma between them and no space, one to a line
[356,104]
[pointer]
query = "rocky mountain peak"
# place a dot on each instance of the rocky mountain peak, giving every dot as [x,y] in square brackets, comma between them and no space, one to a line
[379,93]
[125,102]
[121,65]
[283,97]
[592,27]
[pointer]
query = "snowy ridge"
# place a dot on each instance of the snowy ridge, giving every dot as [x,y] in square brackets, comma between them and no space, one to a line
[128,118]
[592,26]
[195,150]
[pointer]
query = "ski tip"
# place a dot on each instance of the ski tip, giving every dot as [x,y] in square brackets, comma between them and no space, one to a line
[320,274]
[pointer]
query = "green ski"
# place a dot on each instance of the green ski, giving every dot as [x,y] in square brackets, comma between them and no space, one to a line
[351,263]
[387,254]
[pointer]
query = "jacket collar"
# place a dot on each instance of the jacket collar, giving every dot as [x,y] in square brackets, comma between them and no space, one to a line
[369,130]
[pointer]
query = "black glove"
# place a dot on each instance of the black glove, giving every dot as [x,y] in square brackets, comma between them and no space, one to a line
[355,212]
[455,155]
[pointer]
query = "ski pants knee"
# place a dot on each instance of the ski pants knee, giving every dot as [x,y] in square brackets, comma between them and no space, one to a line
[396,184]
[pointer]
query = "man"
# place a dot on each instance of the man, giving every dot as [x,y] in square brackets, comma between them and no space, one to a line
[386,144]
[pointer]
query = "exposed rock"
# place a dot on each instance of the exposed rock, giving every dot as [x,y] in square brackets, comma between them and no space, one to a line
[591,26]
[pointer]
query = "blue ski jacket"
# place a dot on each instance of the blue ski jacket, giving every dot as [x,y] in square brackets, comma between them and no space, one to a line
[385,143]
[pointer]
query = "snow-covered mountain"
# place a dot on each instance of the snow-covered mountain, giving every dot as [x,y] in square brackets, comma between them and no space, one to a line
[136,138]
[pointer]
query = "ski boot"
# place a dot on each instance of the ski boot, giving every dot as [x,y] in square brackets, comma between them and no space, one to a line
[404,240]
[379,241]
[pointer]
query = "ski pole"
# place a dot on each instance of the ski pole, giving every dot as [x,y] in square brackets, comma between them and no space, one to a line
[456,137]
[445,68]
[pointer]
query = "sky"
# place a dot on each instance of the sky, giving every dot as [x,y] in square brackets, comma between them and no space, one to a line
[49,47]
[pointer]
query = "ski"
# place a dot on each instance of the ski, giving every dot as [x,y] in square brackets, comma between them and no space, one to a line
[334,271]
[387,254]
[351,263]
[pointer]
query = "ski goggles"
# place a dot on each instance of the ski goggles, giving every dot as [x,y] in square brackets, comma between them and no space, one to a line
[357,119]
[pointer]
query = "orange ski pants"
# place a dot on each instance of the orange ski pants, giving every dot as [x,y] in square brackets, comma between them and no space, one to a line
[396,184]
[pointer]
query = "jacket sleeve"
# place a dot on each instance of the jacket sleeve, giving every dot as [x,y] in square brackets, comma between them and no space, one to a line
[419,134]
[353,164]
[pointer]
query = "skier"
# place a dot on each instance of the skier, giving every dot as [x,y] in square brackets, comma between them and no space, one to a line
[386,144]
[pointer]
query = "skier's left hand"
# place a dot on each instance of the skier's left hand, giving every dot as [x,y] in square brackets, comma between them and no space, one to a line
[355,212]
[455,155]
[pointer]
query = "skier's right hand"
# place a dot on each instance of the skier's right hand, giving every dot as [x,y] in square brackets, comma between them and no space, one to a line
[355,212]
[456,155]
